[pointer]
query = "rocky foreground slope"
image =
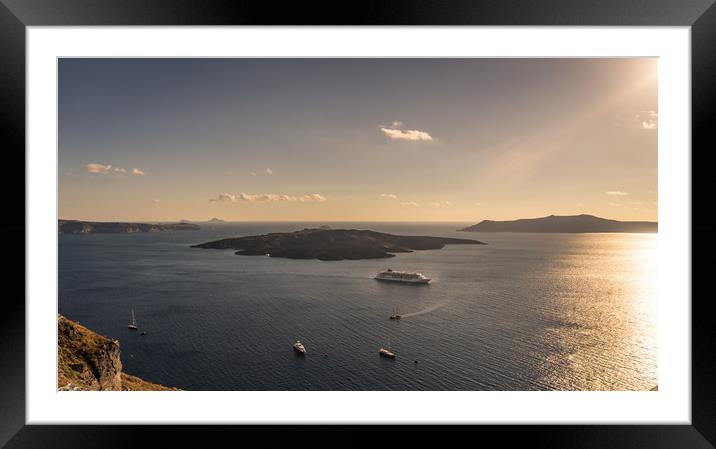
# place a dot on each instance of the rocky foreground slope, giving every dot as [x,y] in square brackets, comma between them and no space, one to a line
[89,361]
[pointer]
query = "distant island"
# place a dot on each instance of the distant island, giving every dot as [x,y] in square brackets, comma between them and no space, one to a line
[566,224]
[101,227]
[332,244]
[213,220]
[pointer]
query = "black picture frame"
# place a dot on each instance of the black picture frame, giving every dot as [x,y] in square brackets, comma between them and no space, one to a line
[16,15]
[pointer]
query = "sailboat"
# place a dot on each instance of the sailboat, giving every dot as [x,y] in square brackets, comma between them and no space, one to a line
[395,315]
[386,352]
[133,323]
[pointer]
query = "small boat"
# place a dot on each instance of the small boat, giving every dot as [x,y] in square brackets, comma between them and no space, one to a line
[395,315]
[133,323]
[298,347]
[386,353]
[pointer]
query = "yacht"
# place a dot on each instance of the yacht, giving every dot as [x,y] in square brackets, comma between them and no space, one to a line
[133,323]
[298,347]
[402,276]
[386,353]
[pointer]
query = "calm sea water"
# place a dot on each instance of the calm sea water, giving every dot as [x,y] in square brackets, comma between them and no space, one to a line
[525,312]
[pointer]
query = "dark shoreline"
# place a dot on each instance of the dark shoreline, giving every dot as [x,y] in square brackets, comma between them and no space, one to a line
[118,227]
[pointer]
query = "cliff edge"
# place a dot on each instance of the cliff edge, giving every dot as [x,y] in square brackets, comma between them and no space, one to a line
[88,361]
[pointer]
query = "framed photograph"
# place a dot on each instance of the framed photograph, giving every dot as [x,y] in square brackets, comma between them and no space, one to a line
[482,219]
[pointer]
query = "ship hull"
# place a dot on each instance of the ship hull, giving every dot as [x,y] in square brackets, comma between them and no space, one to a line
[405,281]
[387,354]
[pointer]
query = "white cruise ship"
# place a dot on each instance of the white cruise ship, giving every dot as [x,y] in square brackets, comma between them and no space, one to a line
[402,276]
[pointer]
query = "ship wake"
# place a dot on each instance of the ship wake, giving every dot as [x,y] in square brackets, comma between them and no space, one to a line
[432,308]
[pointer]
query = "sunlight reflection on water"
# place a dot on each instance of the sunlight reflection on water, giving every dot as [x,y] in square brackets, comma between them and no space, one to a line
[602,338]
[525,312]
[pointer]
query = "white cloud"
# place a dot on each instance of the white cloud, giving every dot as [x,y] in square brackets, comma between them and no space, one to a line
[407,134]
[155,201]
[268,171]
[271,197]
[396,124]
[268,197]
[478,204]
[648,119]
[448,203]
[98,168]
[103,169]
[615,204]
[224,197]
[392,196]
[313,197]
[616,193]
[409,204]
[262,197]
[253,173]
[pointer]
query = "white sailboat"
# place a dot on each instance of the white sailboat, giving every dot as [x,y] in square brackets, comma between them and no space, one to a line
[395,315]
[386,352]
[133,323]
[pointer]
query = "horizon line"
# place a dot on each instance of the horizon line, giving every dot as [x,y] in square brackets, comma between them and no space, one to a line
[338,221]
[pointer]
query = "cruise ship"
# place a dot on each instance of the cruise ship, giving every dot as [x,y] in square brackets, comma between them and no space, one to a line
[402,276]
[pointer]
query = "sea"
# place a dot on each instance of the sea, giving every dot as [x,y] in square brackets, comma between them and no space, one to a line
[523,312]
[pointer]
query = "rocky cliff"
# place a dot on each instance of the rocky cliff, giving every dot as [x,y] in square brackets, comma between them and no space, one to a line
[89,361]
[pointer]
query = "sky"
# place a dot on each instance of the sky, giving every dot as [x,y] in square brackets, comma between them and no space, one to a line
[357,139]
